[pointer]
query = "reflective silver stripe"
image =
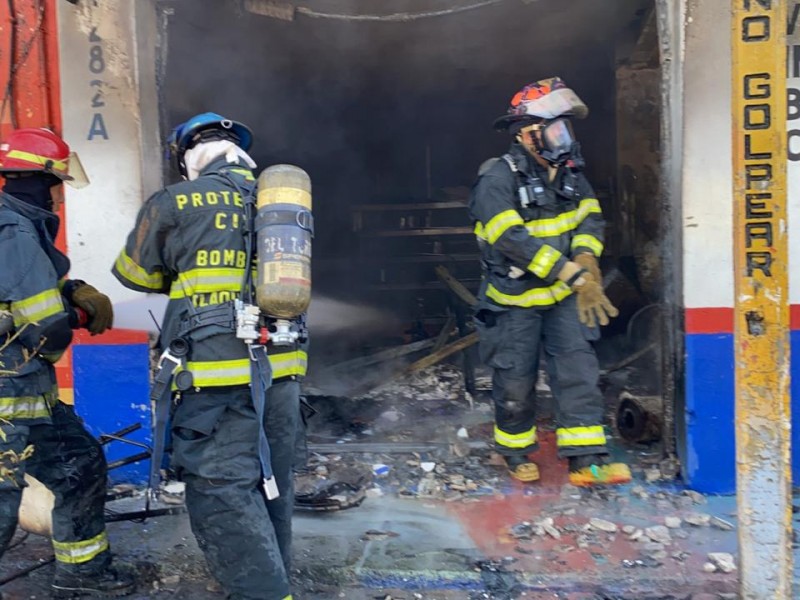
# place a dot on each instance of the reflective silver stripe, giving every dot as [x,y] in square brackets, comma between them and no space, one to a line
[288,363]
[37,307]
[220,372]
[202,281]
[74,553]
[27,407]
[581,436]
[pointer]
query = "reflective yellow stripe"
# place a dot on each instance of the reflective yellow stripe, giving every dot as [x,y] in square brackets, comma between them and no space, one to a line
[289,363]
[500,223]
[25,407]
[206,280]
[581,436]
[564,222]
[515,440]
[37,308]
[289,597]
[75,553]
[479,232]
[220,372]
[138,275]
[61,165]
[587,241]
[535,297]
[543,261]
[248,175]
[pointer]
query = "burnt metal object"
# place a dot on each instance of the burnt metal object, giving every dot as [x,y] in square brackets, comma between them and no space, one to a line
[638,418]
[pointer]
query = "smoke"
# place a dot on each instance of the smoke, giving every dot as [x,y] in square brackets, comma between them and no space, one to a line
[328,316]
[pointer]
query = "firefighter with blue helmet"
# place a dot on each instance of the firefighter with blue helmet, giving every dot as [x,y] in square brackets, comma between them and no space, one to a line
[43,307]
[233,441]
[540,230]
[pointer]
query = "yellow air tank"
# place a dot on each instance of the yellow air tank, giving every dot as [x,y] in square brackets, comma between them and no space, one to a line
[284,228]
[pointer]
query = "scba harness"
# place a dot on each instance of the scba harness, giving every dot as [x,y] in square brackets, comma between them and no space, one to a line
[243,318]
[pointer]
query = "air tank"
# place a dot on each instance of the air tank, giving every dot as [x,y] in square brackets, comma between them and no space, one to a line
[284,228]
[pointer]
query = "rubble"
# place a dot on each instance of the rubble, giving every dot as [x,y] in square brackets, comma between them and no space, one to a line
[723,561]
[709,567]
[659,533]
[672,522]
[722,524]
[603,525]
[698,519]
[696,497]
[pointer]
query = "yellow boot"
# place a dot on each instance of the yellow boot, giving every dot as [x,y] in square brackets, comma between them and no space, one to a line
[595,469]
[522,469]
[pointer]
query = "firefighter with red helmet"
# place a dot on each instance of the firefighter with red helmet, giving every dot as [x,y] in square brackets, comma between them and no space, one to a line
[43,307]
[540,229]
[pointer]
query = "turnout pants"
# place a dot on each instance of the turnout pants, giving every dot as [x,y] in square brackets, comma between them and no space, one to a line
[71,463]
[246,538]
[510,343]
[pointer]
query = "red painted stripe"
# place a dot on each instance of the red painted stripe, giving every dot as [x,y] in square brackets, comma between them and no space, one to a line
[794,317]
[113,337]
[709,320]
[720,320]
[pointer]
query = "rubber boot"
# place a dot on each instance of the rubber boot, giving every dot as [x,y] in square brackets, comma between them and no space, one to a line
[109,583]
[594,469]
[522,469]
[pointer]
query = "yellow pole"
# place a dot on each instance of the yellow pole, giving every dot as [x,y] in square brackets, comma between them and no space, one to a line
[763,475]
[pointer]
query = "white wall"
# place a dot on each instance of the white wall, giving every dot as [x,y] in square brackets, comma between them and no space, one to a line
[109,109]
[707,168]
[793,180]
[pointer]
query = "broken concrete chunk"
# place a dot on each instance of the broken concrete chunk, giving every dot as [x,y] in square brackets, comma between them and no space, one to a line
[462,433]
[672,522]
[722,524]
[552,531]
[171,580]
[636,535]
[698,519]
[628,529]
[696,497]
[659,533]
[723,561]
[639,492]
[651,475]
[709,568]
[603,525]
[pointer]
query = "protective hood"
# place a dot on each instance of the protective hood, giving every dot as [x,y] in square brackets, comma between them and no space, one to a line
[200,156]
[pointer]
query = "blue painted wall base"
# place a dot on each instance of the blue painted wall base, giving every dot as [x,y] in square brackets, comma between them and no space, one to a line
[710,412]
[112,392]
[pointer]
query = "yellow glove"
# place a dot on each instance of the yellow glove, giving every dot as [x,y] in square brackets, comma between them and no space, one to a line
[589,262]
[593,304]
[97,306]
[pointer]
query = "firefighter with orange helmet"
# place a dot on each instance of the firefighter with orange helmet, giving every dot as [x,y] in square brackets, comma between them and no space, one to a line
[540,229]
[44,307]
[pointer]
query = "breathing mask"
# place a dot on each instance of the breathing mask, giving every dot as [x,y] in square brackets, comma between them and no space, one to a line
[554,140]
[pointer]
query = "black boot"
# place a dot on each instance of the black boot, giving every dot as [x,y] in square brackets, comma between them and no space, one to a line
[109,583]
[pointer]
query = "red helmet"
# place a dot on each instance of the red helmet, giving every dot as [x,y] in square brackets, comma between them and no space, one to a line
[543,100]
[41,150]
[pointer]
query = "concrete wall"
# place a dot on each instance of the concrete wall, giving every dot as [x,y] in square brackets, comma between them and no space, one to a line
[707,231]
[109,106]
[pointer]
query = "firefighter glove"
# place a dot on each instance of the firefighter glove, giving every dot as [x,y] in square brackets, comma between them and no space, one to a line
[97,306]
[589,262]
[593,305]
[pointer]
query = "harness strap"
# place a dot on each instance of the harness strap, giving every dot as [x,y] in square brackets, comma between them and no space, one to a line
[261,376]
[160,397]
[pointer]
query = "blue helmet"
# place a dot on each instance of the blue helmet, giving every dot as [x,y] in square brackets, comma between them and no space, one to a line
[204,127]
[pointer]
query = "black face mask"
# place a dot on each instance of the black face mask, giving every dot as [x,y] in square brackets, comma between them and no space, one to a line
[32,189]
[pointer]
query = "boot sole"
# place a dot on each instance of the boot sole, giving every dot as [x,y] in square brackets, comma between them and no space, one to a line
[77,592]
[528,474]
